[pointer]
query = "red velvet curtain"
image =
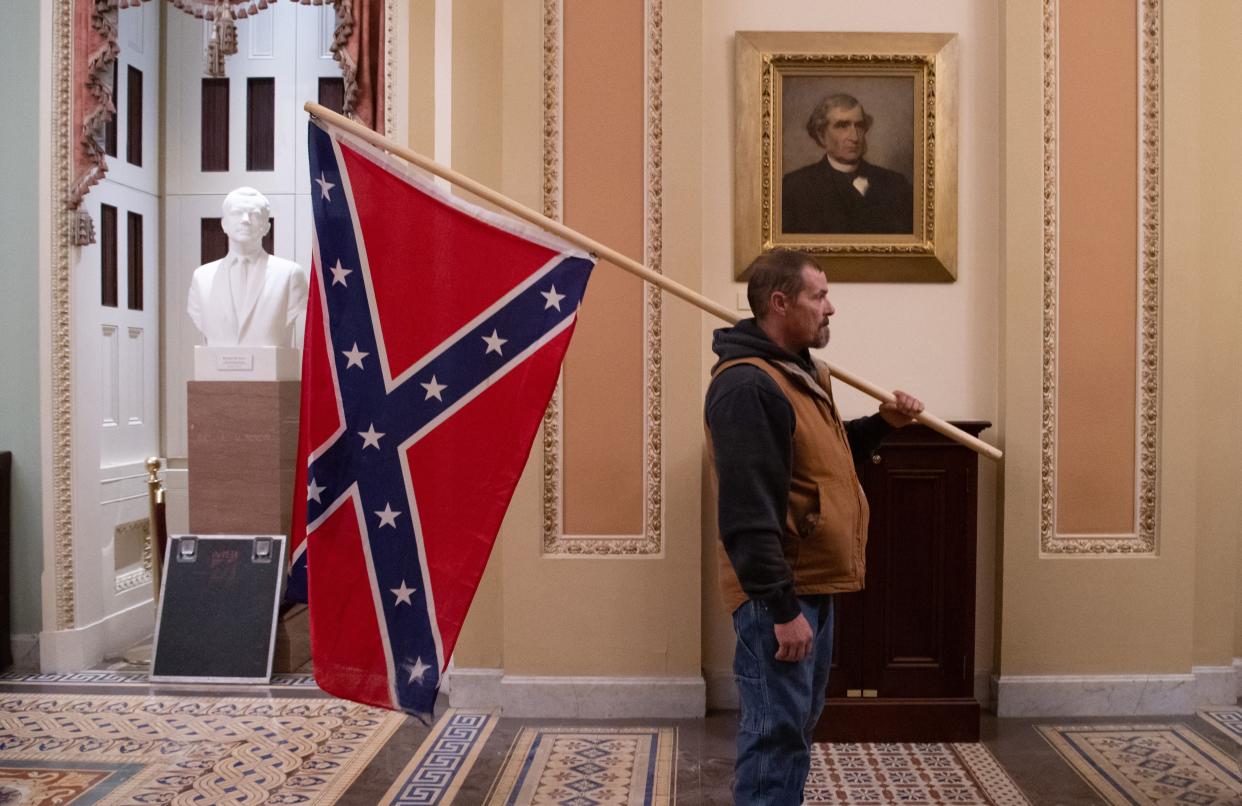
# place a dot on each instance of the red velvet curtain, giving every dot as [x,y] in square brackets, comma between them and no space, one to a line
[358,45]
[94,57]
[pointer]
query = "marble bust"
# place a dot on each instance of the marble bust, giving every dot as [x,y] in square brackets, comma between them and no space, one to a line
[248,298]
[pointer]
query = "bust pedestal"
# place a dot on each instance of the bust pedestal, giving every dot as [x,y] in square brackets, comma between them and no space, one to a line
[243,440]
[242,455]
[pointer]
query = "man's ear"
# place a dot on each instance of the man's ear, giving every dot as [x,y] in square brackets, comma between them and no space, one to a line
[779,303]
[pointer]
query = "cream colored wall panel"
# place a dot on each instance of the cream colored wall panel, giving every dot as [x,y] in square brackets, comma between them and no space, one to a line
[1091,615]
[1219,54]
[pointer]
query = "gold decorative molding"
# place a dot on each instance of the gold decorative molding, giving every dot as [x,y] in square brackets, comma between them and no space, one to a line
[763,61]
[60,317]
[135,530]
[651,541]
[927,68]
[1144,539]
[390,56]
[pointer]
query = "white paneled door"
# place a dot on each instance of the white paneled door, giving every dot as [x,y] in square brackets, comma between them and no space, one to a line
[116,297]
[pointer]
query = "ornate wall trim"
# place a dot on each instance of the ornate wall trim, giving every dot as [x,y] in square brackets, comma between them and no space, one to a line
[390,57]
[651,541]
[1144,539]
[59,321]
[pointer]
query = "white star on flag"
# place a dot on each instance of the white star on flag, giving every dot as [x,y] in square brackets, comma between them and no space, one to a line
[313,490]
[324,187]
[339,273]
[355,357]
[403,593]
[493,343]
[388,517]
[418,670]
[433,389]
[370,438]
[553,298]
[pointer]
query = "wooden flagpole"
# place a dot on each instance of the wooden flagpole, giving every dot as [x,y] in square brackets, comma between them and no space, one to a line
[620,260]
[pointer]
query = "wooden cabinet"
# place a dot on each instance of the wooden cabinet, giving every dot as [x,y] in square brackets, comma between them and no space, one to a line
[903,660]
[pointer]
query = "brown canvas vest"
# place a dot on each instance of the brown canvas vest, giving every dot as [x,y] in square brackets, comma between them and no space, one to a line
[825,536]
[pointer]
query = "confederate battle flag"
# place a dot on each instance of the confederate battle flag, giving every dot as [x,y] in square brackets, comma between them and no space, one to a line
[434,337]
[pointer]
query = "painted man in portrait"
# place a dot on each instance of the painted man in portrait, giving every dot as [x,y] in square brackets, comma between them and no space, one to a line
[843,193]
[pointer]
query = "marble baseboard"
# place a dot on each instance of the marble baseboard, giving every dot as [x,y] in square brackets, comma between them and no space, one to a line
[1237,674]
[473,689]
[1114,695]
[579,697]
[83,647]
[25,647]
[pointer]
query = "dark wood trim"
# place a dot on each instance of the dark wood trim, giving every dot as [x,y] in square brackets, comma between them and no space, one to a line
[107,255]
[133,116]
[215,125]
[213,244]
[260,124]
[134,284]
[332,93]
[899,720]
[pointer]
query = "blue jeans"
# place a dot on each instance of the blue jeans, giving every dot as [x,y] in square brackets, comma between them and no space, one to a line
[781,703]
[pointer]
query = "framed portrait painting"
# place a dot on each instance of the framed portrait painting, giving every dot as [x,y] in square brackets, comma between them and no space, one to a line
[847,149]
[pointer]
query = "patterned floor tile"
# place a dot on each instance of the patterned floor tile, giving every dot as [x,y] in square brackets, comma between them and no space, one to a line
[914,774]
[1227,720]
[1148,764]
[588,766]
[443,760]
[225,750]
[108,677]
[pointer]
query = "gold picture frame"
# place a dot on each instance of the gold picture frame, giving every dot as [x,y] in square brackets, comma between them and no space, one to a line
[905,86]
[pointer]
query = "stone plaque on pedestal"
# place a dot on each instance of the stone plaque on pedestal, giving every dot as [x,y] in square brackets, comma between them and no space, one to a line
[242,451]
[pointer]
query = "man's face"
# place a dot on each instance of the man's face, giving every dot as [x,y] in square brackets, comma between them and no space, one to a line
[244,220]
[845,136]
[807,320]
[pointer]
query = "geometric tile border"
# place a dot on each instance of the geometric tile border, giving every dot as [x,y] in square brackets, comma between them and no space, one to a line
[915,774]
[109,678]
[443,760]
[1226,720]
[1128,764]
[219,751]
[588,765]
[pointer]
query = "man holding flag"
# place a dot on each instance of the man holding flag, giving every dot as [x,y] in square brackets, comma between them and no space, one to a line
[791,514]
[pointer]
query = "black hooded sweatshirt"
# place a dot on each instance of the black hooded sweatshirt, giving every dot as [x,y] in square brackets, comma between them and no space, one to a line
[752,426]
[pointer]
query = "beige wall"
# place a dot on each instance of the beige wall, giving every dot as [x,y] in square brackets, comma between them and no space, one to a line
[1152,614]
[1218,355]
[938,341]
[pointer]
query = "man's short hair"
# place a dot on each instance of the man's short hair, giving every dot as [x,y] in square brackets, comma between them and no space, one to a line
[778,270]
[818,120]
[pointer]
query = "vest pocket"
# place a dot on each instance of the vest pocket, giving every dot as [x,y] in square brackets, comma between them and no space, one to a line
[830,551]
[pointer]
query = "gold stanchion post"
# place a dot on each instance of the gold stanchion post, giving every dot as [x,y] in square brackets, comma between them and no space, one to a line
[152,551]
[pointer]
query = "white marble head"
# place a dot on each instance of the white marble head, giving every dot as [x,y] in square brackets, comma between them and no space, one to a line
[246,219]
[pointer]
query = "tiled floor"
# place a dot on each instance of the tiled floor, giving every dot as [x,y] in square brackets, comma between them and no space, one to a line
[704,747]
